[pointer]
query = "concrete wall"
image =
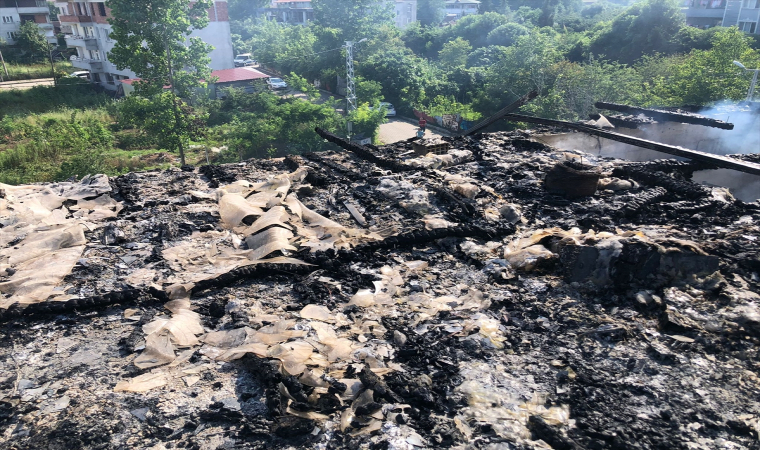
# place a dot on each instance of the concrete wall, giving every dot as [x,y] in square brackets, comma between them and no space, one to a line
[218,35]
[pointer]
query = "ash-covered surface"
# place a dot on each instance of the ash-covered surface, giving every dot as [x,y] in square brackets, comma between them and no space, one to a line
[471,309]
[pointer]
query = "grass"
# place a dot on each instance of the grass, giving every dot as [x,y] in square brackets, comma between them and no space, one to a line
[44,99]
[34,71]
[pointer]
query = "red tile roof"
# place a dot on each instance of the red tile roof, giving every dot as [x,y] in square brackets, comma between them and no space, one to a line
[237,74]
[225,76]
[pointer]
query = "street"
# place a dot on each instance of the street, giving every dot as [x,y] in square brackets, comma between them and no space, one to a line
[25,84]
[397,129]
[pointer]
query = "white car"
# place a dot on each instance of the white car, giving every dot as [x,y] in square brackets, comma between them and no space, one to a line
[83,74]
[390,110]
[277,83]
[244,60]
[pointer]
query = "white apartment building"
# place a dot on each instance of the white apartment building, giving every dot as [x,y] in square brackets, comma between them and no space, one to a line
[459,8]
[85,26]
[406,12]
[13,13]
[300,12]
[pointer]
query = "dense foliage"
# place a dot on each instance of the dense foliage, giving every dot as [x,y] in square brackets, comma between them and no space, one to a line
[574,55]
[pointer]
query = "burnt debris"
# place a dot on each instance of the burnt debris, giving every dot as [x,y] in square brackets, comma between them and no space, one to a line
[667,116]
[495,294]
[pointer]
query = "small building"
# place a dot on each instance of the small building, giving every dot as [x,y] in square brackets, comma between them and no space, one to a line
[461,8]
[239,77]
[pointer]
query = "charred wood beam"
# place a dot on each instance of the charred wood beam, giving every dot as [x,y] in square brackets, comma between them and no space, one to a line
[507,109]
[667,116]
[364,153]
[715,160]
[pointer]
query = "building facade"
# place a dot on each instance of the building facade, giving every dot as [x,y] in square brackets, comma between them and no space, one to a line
[13,13]
[744,14]
[296,12]
[300,12]
[456,9]
[85,27]
[406,12]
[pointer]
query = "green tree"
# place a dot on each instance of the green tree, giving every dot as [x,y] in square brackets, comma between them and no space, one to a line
[286,48]
[421,39]
[367,121]
[156,116]
[498,6]
[487,56]
[430,12]
[706,76]
[507,34]
[368,91]
[475,28]
[263,124]
[246,8]
[154,42]
[30,38]
[644,28]
[454,53]
[548,10]
[356,19]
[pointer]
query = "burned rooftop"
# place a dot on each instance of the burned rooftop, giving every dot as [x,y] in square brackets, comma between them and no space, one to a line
[483,292]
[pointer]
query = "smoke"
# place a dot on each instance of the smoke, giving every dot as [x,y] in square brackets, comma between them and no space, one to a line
[744,138]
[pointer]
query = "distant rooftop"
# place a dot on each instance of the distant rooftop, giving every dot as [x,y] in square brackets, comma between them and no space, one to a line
[225,76]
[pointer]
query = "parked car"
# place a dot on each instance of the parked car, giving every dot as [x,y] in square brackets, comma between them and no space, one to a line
[83,74]
[244,60]
[277,83]
[390,110]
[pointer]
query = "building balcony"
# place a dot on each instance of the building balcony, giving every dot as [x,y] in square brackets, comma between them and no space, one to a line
[93,65]
[749,15]
[76,19]
[33,10]
[89,43]
[715,13]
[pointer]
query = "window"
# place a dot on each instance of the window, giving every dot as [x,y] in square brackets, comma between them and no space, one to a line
[11,35]
[96,77]
[102,9]
[7,19]
[749,27]
[752,4]
[109,78]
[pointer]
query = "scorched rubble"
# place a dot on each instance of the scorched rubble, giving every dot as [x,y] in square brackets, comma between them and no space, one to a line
[377,298]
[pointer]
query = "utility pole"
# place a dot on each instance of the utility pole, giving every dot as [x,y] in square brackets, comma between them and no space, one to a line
[52,66]
[350,86]
[752,84]
[4,68]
